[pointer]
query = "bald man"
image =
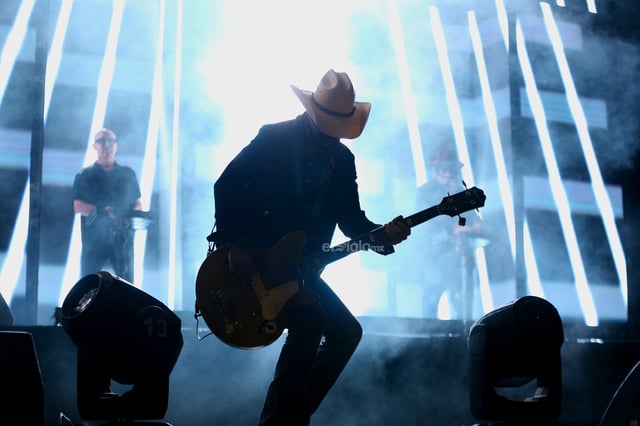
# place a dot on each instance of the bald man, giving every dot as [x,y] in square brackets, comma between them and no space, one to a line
[104,194]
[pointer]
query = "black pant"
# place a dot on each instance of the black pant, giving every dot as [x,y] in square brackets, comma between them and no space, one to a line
[117,249]
[321,337]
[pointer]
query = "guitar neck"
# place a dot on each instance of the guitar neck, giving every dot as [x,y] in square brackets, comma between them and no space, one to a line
[370,241]
[423,216]
[451,205]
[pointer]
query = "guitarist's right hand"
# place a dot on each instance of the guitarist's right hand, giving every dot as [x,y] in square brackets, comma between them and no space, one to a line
[240,260]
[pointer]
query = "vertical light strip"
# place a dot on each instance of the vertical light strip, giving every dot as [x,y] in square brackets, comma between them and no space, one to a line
[408,100]
[557,188]
[72,269]
[450,93]
[13,44]
[175,242]
[14,259]
[597,182]
[55,52]
[106,76]
[503,21]
[560,3]
[486,298]
[148,173]
[533,276]
[460,139]
[591,6]
[494,135]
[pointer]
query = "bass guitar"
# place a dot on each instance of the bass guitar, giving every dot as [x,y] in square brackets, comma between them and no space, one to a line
[249,316]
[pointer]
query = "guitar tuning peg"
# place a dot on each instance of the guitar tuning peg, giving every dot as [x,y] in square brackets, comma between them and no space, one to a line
[461,221]
[464,184]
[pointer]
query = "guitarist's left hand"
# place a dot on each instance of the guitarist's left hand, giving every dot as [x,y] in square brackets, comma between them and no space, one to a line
[397,230]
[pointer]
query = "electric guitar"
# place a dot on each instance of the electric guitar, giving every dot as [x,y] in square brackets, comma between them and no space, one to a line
[248,316]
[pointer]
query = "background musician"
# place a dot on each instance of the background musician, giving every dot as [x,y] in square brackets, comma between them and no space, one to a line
[104,194]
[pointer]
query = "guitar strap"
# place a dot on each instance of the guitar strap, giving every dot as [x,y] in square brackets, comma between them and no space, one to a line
[322,191]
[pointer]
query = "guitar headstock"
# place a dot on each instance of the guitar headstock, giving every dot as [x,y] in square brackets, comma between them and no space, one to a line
[463,201]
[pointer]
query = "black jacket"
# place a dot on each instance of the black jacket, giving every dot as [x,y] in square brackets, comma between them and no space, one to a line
[272,187]
[117,188]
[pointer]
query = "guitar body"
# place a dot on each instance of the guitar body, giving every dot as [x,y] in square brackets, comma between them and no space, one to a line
[248,316]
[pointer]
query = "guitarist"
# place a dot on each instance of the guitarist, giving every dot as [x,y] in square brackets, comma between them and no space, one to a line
[297,175]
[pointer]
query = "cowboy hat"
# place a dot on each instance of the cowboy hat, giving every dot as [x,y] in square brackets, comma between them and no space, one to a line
[332,107]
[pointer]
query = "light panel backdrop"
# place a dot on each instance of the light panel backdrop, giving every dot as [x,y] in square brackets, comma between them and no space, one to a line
[538,99]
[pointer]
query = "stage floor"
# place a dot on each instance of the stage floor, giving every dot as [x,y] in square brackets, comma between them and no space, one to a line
[392,379]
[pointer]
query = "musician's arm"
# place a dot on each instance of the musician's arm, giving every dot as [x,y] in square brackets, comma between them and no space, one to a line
[83,208]
[230,196]
[228,200]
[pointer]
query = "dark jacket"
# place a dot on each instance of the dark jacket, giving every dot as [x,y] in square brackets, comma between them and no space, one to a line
[117,188]
[272,187]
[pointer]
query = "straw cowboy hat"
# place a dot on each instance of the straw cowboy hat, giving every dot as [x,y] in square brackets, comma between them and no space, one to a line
[333,108]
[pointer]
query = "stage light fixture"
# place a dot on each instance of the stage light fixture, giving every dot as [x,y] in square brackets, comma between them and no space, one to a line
[125,335]
[515,363]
